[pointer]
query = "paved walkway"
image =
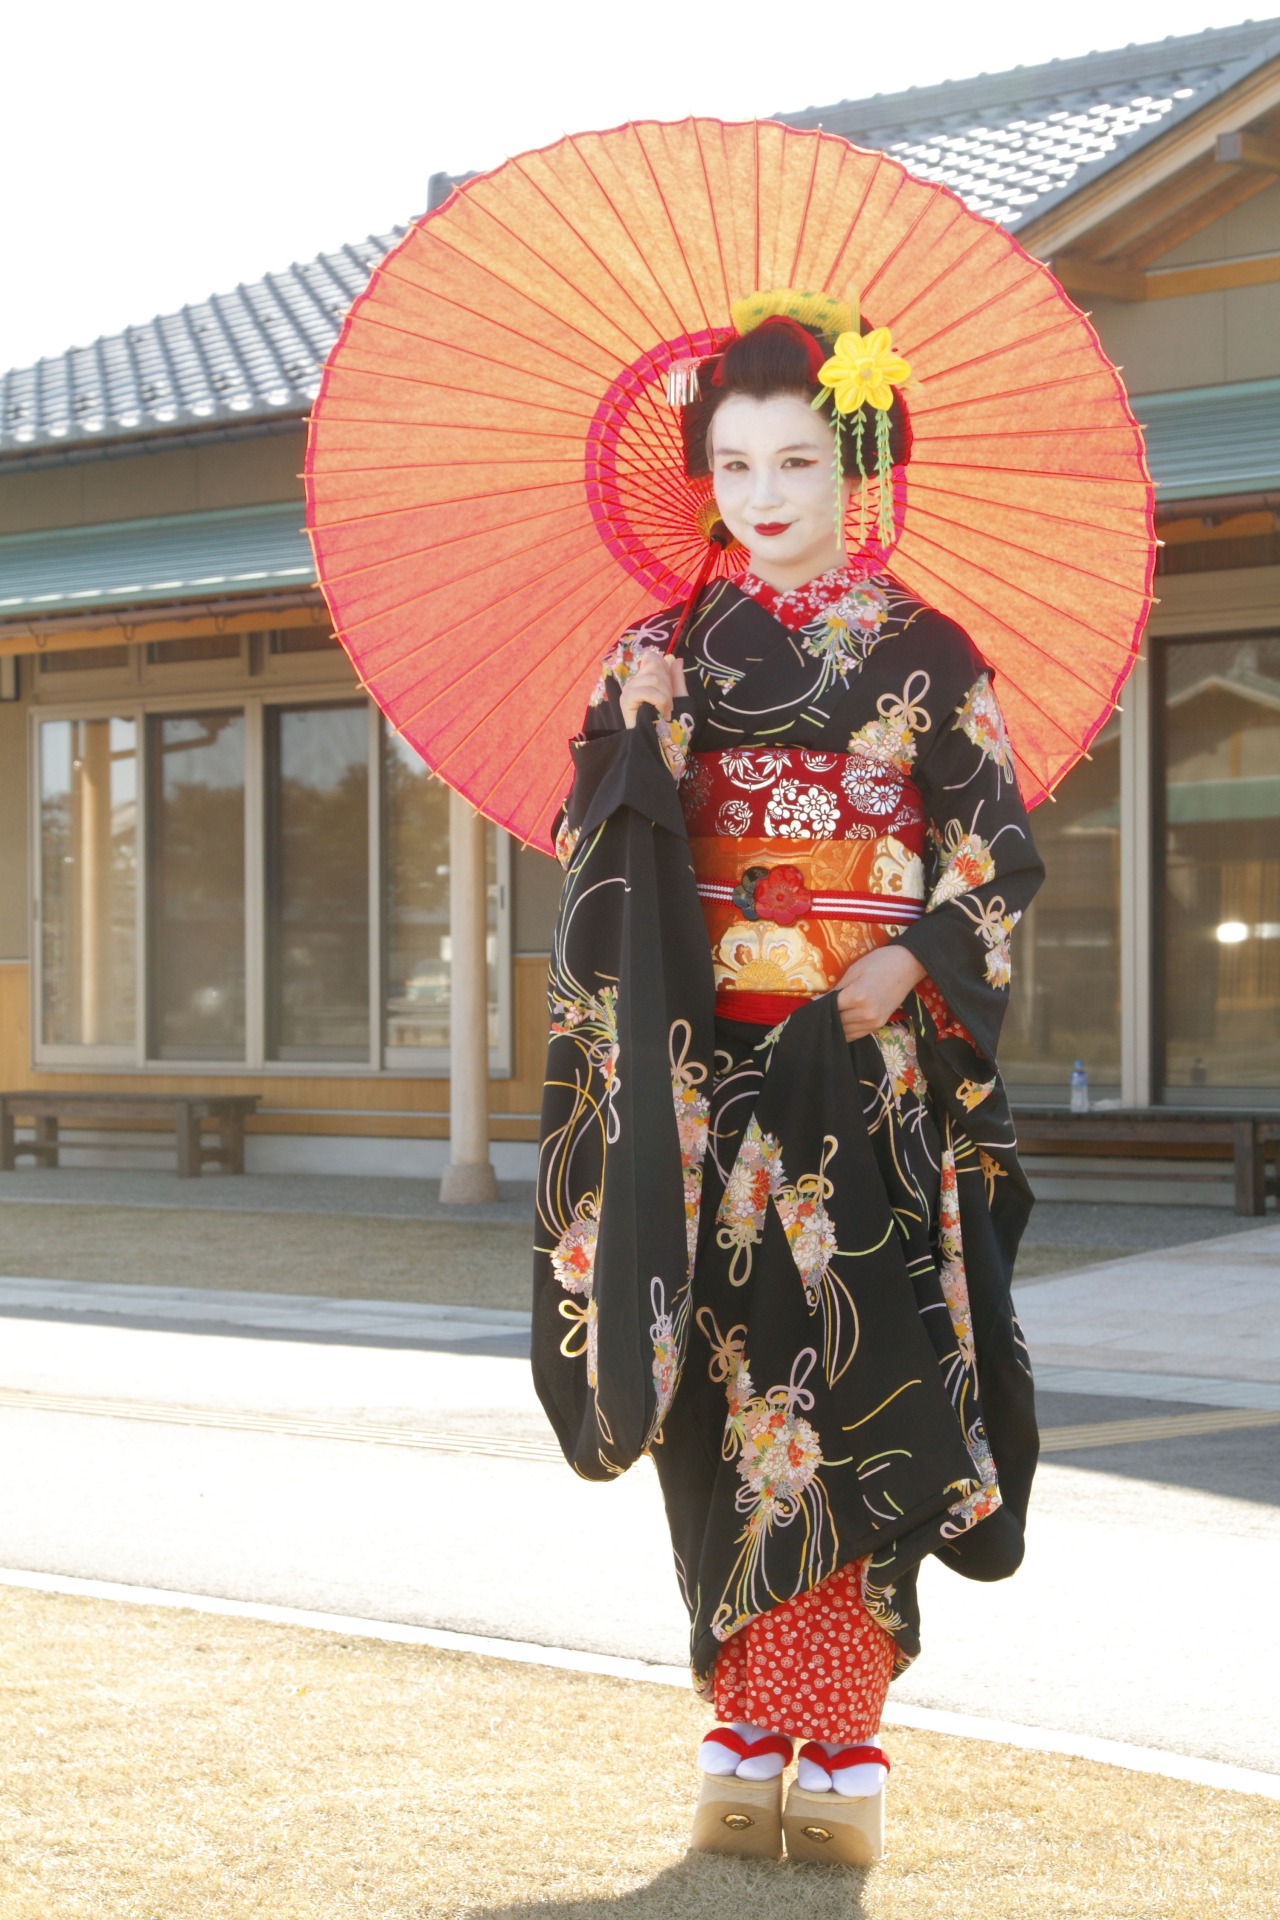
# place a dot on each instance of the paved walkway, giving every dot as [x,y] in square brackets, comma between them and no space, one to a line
[391,1461]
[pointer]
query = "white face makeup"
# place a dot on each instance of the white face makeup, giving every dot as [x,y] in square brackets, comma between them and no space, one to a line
[773,470]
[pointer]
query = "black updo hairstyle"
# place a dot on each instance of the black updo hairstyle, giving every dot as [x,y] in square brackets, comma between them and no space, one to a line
[769,360]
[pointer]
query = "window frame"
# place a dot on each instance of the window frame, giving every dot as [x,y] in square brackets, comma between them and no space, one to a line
[1162,1094]
[136,698]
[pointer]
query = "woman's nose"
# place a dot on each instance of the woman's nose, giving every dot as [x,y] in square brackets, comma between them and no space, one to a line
[765,492]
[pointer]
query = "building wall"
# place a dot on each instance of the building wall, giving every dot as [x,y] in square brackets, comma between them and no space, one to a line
[1204,339]
[227,473]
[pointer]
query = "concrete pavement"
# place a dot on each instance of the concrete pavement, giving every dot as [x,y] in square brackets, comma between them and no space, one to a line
[1141,1614]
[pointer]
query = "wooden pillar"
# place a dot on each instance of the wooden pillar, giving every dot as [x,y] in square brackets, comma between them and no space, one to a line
[469,1178]
[93,793]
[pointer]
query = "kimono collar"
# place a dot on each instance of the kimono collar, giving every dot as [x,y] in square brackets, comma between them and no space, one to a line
[799,605]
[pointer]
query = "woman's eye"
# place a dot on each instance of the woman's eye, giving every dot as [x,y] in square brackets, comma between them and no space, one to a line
[798,460]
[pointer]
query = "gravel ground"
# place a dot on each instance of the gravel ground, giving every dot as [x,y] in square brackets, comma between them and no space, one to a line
[368,1239]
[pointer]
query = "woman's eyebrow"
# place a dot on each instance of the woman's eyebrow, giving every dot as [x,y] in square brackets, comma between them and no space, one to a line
[799,446]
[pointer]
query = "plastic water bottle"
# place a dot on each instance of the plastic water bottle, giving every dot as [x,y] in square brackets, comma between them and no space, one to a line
[1079,1088]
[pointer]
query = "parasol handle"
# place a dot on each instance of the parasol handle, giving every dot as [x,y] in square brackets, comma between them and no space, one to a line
[717,541]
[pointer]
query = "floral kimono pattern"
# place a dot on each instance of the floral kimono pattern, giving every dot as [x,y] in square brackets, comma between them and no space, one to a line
[779,1262]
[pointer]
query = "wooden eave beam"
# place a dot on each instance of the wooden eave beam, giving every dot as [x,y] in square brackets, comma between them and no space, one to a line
[1245,149]
[1112,239]
[1097,277]
[59,633]
[1079,275]
[1193,218]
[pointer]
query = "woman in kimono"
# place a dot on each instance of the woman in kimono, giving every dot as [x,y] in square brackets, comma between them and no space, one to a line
[779,1199]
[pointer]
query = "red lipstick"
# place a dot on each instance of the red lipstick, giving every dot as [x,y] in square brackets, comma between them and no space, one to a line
[773,527]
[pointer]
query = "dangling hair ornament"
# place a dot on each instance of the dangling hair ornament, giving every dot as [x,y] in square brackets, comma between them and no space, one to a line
[862,372]
[682,382]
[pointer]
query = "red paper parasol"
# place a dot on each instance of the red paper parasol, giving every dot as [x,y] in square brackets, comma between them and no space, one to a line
[494,481]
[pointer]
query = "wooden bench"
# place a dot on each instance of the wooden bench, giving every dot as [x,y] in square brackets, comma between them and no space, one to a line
[1173,1132]
[183,1114]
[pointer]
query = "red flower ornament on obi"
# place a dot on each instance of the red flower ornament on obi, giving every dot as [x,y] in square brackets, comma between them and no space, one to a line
[782,896]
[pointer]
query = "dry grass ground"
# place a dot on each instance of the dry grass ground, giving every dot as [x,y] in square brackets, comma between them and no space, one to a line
[163,1765]
[441,1262]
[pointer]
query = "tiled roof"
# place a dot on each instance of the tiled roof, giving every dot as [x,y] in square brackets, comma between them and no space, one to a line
[183,556]
[1209,441]
[1013,144]
[248,354]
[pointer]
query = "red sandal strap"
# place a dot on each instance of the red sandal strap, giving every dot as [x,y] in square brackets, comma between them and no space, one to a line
[749,1749]
[858,1757]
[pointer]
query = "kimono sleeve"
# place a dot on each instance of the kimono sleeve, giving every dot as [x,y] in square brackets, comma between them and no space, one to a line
[982,868]
[615,765]
[624,1110]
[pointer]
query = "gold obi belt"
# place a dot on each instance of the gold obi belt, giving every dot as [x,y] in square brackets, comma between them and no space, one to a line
[804,860]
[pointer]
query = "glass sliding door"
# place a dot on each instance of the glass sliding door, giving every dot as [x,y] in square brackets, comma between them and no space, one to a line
[1219,891]
[88,882]
[1064,1002]
[415,888]
[196,878]
[317,847]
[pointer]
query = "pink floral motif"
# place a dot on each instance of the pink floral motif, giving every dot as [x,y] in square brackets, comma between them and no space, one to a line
[573,1261]
[891,736]
[623,659]
[897,1044]
[811,1236]
[979,717]
[985,1497]
[693,1115]
[675,737]
[566,840]
[756,1173]
[666,1352]
[967,862]
[573,1258]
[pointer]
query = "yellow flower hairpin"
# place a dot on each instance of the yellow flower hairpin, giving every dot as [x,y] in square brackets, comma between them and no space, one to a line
[863,371]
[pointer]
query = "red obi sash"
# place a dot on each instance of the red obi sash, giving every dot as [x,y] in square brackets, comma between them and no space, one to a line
[804,860]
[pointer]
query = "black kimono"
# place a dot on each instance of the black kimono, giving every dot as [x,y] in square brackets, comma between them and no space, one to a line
[777,1261]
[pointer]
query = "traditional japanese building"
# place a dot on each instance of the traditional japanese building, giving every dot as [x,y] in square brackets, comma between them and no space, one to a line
[219,870]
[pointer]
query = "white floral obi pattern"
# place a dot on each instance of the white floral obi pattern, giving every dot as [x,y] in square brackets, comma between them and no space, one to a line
[804,859]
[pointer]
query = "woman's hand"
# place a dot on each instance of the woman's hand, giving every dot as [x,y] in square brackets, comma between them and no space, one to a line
[657,682]
[874,987]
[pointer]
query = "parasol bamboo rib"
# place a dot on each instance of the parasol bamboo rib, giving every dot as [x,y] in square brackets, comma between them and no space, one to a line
[336,575]
[991,538]
[485,718]
[693,283]
[1072,619]
[1022,510]
[420,506]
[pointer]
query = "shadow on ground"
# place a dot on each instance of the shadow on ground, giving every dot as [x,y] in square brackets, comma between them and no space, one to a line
[713,1888]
